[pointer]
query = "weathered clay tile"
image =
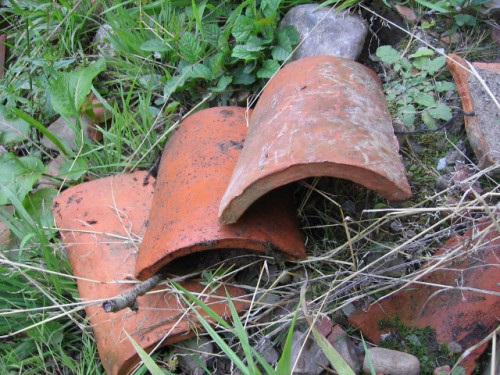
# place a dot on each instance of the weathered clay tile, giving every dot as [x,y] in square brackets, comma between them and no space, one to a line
[102,223]
[318,116]
[195,169]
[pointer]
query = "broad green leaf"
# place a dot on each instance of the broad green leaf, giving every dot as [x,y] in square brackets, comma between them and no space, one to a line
[284,48]
[198,71]
[74,169]
[216,63]
[422,52]
[268,69]
[388,54]
[444,86]
[222,84]
[435,64]
[441,112]
[242,28]
[407,115]
[242,53]
[422,63]
[465,19]
[212,33]
[190,48]
[37,205]
[68,91]
[428,120]
[155,45]
[424,99]
[19,175]
[269,7]
[292,34]
[255,43]
[12,128]
[241,77]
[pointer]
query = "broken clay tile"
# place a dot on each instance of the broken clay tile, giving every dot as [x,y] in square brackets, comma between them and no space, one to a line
[483,128]
[460,300]
[101,223]
[195,169]
[318,116]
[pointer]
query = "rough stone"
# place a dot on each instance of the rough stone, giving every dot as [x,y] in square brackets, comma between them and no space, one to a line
[266,349]
[62,130]
[391,362]
[326,32]
[192,352]
[311,359]
[344,346]
[101,40]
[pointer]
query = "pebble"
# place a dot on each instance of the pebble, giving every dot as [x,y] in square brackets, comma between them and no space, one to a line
[391,362]
[326,32]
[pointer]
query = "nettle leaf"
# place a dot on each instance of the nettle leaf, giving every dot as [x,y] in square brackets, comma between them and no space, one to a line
[69,90]
[198,71]
[212,33]
[387,54]
[441,112]
[268,69]
[292,34]
[444,86]
[12,128]
[155,45]
[269,7]
[422,52]
[216,62]
[284,48]
[424,99]
[18,175]
[190,47]
[255,43]
[242,77]
[222,84]
[242,53]
[242,28]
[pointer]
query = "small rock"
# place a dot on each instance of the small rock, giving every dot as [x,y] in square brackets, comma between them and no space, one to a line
[391,362]
[62,130]
[442,164]
[54,170]
[344,346]
[311,359]
[326,32]
[102,41]
[191,352]
[266,349]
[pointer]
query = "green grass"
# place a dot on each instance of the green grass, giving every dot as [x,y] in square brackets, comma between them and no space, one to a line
[169,59]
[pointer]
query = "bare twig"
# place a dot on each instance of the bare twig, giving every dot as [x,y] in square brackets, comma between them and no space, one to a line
[129,298]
